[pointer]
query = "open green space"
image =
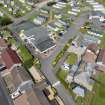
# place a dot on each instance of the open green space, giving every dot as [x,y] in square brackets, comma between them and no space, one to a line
[101,1]
[99,90]
[26,56]
[102,45]
[61,75]
[72,59]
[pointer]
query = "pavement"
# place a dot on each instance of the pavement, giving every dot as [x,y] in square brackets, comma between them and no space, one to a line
[47,68]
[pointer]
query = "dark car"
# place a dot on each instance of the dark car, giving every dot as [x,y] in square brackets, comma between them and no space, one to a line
[2,67]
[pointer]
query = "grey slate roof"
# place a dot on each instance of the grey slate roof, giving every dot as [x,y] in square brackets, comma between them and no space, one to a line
[15,78]
[24,25]
[38,35]
[39,38]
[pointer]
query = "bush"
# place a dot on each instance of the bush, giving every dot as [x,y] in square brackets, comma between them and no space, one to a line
[5,21]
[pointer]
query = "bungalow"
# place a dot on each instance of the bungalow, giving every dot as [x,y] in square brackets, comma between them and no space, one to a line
[83,79]
[21,89]
[62,22]
[10,58]
[52,27]
[96,15]
[90,53]
[39,20]
[93,48]
[34,36]
[95,33]
[57,7]
[73,13]
[79,91]
[89,57]
[76,10]
[90,39]
[38,38]
[17,80]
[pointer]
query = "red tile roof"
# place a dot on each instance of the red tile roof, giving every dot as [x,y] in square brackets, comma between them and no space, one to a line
[101,56]
[92,47]
[89,57]
[10,58]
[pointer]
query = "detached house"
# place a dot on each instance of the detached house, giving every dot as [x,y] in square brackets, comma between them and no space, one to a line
[10,58]
[90,53]
[93,48]
[35,37]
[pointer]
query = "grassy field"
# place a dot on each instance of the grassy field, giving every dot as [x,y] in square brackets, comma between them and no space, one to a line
[99,90]
[61,53]
[26,56]
[102,45]
[72,59]
[62,74]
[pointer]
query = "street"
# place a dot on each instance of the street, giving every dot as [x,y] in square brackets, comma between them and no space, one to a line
[47,68]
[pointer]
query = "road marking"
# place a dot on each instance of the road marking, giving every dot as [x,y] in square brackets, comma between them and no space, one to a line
[56,83]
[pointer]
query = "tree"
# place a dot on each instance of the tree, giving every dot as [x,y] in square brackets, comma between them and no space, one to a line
[5,21]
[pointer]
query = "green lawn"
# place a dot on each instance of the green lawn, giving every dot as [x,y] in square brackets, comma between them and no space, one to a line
[11,41]
[61,53]
[99,90]
[62,74]
[102,45]
[26,56]
[72,59]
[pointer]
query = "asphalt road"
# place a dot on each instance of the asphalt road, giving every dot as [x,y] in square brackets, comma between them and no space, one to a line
[47,68]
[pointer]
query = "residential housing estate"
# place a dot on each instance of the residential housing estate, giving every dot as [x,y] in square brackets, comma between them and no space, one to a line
[35,37]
